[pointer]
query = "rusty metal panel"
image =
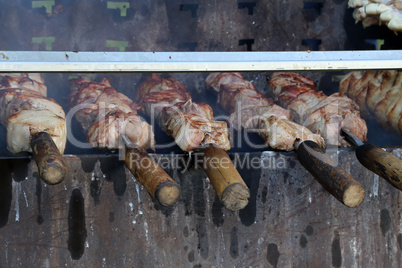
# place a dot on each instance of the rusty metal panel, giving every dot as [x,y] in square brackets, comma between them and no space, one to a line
[101,217]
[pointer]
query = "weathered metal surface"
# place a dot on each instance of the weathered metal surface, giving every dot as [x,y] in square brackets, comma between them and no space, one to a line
[290,220]
[117,62]
[100,216]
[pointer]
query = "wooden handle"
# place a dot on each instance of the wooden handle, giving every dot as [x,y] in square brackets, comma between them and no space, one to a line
[334,179]
[157,182]
[382,163]
[226,180]
[47,156]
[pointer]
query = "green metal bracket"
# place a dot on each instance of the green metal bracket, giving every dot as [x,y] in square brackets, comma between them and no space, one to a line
[47,40]
[79,76]
[376,42]
[48,4]
[337,78]
[120,44]
[123,6]
[380,42]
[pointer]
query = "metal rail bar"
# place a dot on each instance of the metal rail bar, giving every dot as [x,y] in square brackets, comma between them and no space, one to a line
[60,61]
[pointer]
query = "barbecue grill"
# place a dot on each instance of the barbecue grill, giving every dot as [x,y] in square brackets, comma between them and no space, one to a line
[100,215]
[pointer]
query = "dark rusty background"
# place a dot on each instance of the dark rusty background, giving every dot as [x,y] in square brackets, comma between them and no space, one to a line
[101,217]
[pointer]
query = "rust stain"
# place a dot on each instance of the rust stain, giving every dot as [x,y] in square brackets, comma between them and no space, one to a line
[67,57]
[4,56]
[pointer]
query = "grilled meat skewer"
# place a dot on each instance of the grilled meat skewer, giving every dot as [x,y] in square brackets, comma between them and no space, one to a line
[34,123]
[370,12]
[107,116]
[379,95]
[192,125]
[251,110]
[324,115]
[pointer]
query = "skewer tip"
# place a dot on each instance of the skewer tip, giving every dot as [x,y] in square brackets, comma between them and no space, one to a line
[354,195]
[235,197]
[47,156]
[167,193]
[53,173]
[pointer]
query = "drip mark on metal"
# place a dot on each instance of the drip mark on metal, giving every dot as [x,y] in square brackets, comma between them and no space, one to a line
[375,185]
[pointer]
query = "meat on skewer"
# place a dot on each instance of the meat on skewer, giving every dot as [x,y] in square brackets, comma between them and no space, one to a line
[371,12]
[34,123]
[250,109]
[192,125]
[379,95]
[106,115]
[317,111]
[324,115]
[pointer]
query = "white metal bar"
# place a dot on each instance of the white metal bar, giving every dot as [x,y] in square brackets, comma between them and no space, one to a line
[60,61]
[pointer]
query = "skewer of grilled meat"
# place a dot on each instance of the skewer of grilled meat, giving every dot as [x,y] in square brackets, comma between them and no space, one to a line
[378,94]
[317,111]
[322,114]
[371,12]
[34,123]
[251,110]
[105,115]
[192,126]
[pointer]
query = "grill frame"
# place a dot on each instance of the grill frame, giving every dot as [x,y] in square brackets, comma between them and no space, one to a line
[60,61]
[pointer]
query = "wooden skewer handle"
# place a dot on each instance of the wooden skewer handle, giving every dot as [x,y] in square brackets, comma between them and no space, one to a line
[334,179]
[226,180]
[47,156]
[157,182]
[382,163]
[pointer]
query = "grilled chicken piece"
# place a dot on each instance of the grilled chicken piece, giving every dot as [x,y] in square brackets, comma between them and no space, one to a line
[104,114]
[370,12]
[324,115]
[190,124]
[25,111]
[378,93]
[28,81]
[251,110]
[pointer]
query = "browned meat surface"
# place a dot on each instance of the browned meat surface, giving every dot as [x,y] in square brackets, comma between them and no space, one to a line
[324,115]
[378,93]
[25,111]
[28,81]
[190,124]
[105,114]
[251,110]
[382,12]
